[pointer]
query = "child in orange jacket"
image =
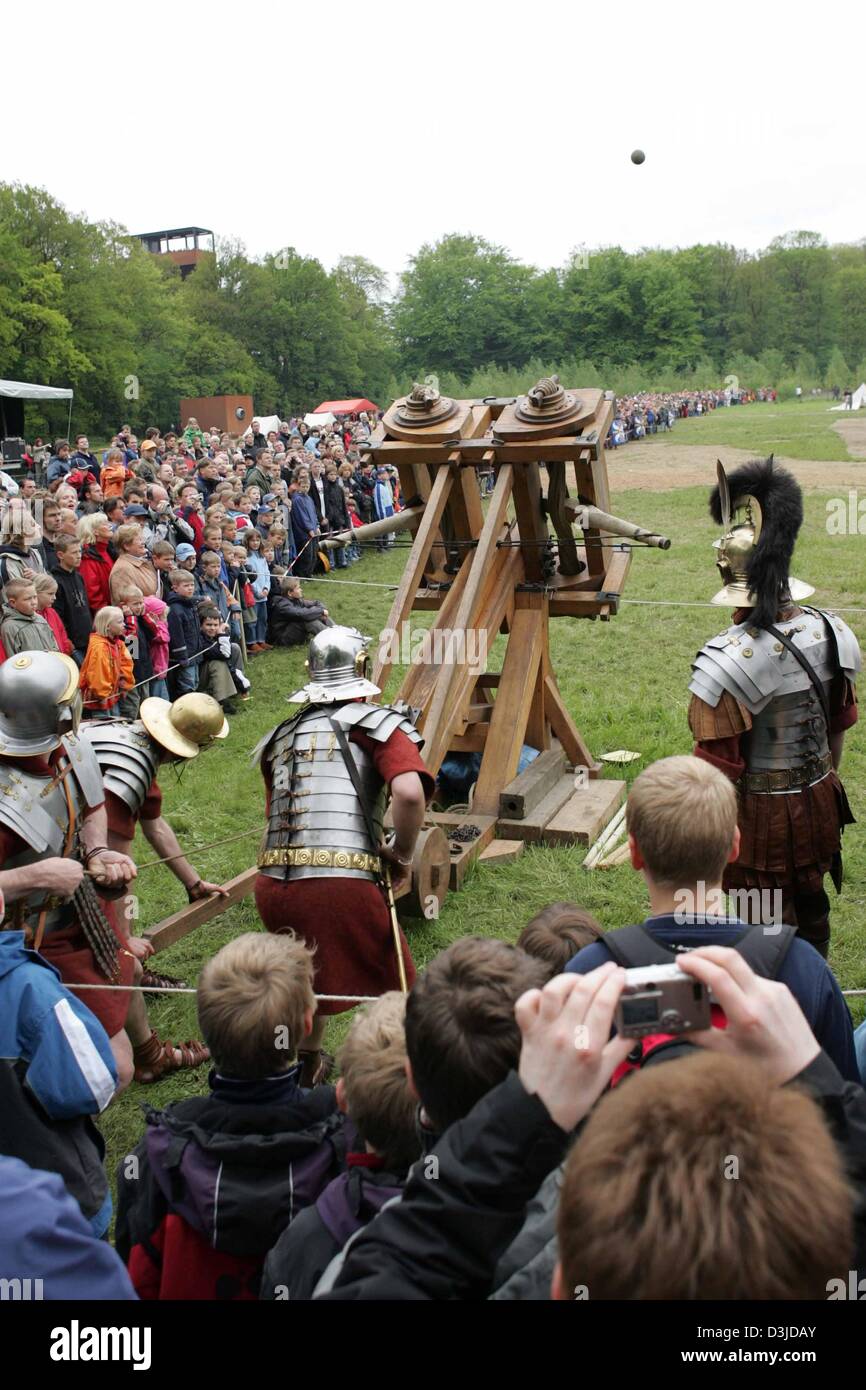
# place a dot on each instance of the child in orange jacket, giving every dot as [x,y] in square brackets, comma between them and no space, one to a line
[106,672]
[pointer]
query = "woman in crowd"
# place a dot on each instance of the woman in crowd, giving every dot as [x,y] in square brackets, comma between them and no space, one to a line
[97,559]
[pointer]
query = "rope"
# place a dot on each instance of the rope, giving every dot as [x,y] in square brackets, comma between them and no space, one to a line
[646,602]
[320,998]
[201,849]
[186,989]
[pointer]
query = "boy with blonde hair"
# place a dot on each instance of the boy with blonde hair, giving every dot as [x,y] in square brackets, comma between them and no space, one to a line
[374,1092]
[241,1162]
[682,822]
[23,628]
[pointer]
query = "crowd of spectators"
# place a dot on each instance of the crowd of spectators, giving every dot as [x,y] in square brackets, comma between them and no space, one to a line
[654,412]
[490,1135]
[177,557]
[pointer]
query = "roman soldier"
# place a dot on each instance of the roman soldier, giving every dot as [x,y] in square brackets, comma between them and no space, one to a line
[54,841]
[772,698]
[129,754]
[328,770]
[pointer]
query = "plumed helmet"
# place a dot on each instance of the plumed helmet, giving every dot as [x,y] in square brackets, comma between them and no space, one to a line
[185,726]
[761,508]
[39,702]
[337,664]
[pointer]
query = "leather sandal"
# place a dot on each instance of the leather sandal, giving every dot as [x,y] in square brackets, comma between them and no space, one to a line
[155,1058]
[151,980]
[316,1068]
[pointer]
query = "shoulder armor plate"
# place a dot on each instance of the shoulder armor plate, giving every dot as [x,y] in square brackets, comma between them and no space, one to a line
[377,721]
[85,766]
[750,664]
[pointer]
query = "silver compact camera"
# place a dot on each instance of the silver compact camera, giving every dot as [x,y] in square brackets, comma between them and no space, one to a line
[661,999]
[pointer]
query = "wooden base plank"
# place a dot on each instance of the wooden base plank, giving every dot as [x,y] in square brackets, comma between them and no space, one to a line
[181,923]
[531,828]
[529,787]
[584,815]
[502,852]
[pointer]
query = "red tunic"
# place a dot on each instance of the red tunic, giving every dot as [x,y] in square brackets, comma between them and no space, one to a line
[67,949]
[346,919]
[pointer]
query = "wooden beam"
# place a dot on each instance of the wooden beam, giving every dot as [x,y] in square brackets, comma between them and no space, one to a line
[420,553]
[511,711]
[180,924]
[566,730]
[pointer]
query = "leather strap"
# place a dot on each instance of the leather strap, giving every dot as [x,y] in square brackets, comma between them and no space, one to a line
[807,666]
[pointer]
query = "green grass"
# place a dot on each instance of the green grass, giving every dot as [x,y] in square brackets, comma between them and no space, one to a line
[798,431]
[624,681]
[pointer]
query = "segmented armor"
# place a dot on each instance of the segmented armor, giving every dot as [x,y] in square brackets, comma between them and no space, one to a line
[316,827]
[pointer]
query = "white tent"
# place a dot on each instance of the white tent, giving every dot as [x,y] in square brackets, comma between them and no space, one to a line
[319,420]
[858,400]
[25,391]
[28,391]
[267,423]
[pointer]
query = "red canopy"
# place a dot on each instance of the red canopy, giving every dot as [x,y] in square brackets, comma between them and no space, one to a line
[345,407]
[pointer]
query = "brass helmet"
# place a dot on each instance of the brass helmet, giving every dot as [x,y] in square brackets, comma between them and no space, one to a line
[761,508]
[40,702]
[337,665]
[186,725]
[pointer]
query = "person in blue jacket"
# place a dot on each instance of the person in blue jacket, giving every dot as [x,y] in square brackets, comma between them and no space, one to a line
[56,1071]
[682,821]
[305,528]
[46,1244]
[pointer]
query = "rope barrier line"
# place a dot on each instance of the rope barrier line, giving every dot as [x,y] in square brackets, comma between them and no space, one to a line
[320,998]
[186,989]
[645,602]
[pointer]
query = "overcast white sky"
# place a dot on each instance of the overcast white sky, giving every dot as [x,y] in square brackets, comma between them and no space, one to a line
[370,128]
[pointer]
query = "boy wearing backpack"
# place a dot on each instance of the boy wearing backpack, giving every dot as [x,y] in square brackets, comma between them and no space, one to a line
[218,1177]
[682,823]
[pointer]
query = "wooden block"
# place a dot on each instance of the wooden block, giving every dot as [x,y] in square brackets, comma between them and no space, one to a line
[501,852]
[179,924]
[584,815]
[531,785]
[465,851]
[532,827]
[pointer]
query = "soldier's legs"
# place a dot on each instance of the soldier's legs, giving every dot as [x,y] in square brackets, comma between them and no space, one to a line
[810,913]
[122,1049]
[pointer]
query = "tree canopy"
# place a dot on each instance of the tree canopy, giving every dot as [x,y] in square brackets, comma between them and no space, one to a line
[82,304]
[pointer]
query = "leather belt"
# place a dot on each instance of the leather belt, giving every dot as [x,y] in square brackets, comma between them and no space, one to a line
[787,778]
[316,858]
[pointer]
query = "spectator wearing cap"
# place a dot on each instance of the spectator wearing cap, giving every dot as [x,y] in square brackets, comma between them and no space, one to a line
[132,569]
[265,516]
[188,560]
[146,466]
[83,460]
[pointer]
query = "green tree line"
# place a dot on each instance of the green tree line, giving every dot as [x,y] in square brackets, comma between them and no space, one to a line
[82,304]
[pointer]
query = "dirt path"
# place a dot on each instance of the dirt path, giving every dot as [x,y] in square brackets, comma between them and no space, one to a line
[659,468]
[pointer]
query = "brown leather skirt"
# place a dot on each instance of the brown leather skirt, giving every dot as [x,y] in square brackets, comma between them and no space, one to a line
[791,839]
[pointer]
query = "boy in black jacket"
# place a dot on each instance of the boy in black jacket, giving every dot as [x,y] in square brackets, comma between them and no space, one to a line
[373,1090]
[240,1163]
[293,618]
[184,634]
[71,601]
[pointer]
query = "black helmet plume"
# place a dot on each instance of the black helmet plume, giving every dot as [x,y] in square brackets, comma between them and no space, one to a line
[781,501]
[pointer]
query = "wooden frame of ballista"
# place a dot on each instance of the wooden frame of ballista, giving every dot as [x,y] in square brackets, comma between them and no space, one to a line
[487,573]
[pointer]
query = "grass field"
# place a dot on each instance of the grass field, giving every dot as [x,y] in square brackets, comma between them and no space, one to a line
[798,430]
[625,682]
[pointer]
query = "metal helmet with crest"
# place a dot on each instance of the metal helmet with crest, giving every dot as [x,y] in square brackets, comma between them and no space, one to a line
[760,506]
